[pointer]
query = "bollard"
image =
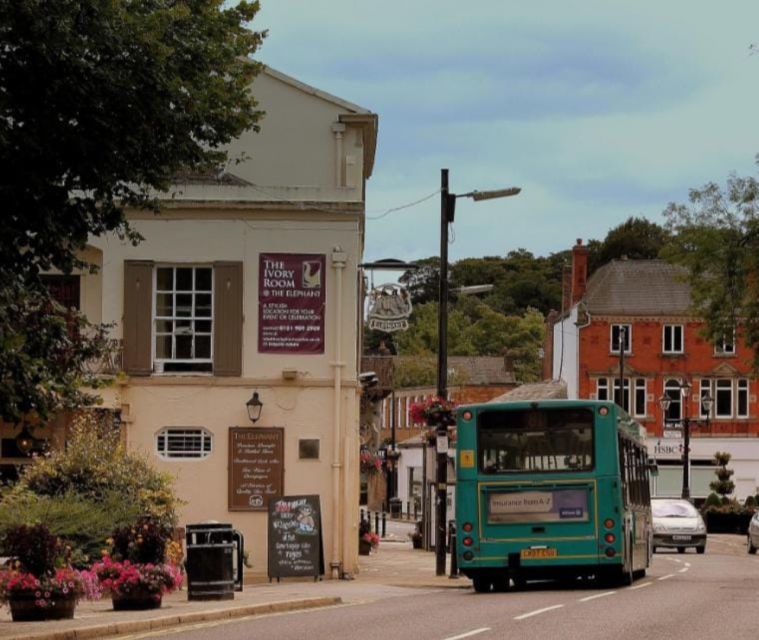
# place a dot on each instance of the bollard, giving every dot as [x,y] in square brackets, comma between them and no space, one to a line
[361,514]
[452,548]
[408,511]
[376,522]
[384,524]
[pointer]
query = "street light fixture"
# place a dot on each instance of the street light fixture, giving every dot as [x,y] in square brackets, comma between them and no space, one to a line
[706,403]
[447,212]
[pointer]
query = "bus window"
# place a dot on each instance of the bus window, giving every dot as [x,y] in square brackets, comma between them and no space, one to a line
[548,440]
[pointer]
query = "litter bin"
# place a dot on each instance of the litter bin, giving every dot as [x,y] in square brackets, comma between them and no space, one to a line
[396,507]
[214,561]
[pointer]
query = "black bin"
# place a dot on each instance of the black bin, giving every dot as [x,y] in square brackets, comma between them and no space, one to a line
[396,507]
[214,561]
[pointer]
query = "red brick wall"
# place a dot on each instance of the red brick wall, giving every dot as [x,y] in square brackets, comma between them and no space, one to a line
[647,360]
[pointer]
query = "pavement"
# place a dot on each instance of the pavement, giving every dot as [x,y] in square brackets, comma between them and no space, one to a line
[390,570]
[392,566]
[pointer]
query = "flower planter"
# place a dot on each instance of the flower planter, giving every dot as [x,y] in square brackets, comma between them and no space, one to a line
[138,601]
[364,547]
[25,608]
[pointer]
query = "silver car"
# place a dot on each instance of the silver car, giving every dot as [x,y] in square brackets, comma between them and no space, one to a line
[753,533]
[678,525]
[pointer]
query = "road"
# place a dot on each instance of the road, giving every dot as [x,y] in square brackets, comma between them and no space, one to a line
[686,596]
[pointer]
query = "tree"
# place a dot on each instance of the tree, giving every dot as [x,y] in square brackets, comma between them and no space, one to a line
[423,284]
[636,238]
[723,485]
[716,238]
[101,105]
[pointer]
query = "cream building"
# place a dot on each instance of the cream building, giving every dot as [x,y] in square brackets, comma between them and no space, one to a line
[249,282]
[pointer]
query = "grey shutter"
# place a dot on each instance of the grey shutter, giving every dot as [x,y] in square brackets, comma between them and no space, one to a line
[227,319]
[138,317]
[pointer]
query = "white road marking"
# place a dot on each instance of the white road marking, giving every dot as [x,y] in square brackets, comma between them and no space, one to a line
[538,611]
[598,595]
[687,564]
[640,586]
[667,577]
[468,634]
[683,570]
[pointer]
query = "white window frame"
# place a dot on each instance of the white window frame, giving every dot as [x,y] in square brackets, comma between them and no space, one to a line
[165,453]
[628,337]
[602,388]
[160,363]
[724,347]
[625,391]
[639,411]
[724,385]
[673,330]
[742,389]
[705,388]
[676,398]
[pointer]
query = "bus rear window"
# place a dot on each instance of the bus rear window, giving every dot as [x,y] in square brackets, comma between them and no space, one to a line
[536,440]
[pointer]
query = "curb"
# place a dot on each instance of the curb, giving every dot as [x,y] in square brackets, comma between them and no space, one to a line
[133,626]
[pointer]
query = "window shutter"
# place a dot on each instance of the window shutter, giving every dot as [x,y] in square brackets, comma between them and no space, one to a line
[138,317]
[227,319]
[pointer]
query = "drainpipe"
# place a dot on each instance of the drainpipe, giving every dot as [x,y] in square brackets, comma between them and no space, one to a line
[339,258]
[338,128]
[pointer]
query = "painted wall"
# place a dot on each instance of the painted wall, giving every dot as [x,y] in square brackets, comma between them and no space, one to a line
[565,353]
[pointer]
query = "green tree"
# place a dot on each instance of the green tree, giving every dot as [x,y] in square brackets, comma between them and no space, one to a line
[636,238]
[716,238]
[101,105]
[423,284]
[723,485]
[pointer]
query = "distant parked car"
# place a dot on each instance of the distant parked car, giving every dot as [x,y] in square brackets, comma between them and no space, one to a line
[753,533]
[678,525]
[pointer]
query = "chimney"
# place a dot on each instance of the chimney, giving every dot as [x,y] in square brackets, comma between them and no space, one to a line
[579,271]
[566,287]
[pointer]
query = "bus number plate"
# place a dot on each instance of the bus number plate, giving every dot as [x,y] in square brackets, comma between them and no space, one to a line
[535,554]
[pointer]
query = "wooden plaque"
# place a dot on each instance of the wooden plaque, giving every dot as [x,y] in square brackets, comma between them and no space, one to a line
[256,467]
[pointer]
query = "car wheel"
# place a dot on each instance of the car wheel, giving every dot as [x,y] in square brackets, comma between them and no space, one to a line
[680,549]
[751,547]
[701,549]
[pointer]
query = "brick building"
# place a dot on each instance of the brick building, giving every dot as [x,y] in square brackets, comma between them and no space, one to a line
[645,306]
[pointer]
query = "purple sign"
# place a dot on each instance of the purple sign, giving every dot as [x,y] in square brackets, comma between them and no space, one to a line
[291,303]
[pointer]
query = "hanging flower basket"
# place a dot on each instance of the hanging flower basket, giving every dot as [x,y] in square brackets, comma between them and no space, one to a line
[370,462]
[434,411]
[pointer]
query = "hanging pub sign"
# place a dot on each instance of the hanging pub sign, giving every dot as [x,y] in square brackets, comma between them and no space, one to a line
[389,308]
[291,303]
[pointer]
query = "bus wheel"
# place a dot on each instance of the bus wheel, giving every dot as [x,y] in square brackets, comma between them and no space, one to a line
[501,583]
[519,582]
[482,584]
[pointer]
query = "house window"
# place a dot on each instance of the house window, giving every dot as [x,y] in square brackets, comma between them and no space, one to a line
[602,389]
[705,389]
[183,322]
[726,346]
[625,400]
[672,389]
[742,400]
[184,442]
[672,338]
[723,398]
[639,407]
[616,331]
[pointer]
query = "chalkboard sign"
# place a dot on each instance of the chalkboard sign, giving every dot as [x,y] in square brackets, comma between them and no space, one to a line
[256,467]
[295,537]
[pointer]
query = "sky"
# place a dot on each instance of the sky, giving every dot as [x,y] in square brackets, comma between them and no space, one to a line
[598,109]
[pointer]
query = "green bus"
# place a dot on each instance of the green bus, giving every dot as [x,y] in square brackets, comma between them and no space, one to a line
[551,489]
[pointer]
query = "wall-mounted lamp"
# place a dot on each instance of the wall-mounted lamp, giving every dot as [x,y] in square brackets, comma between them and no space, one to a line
[25,440]
[254,406]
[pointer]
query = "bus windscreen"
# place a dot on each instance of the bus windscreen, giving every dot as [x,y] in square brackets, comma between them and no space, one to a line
[532,440]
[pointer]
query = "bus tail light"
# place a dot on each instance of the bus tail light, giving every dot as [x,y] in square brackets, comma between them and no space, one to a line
[610,553]
[610,538]
[467,526]
[609,523]
[468,555]
[467,542]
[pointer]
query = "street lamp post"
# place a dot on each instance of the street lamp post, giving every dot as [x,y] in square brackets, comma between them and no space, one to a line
[447,212]
[706,402]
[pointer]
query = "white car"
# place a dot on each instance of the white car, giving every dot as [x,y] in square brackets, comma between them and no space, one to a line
[753,533]
[678,525]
